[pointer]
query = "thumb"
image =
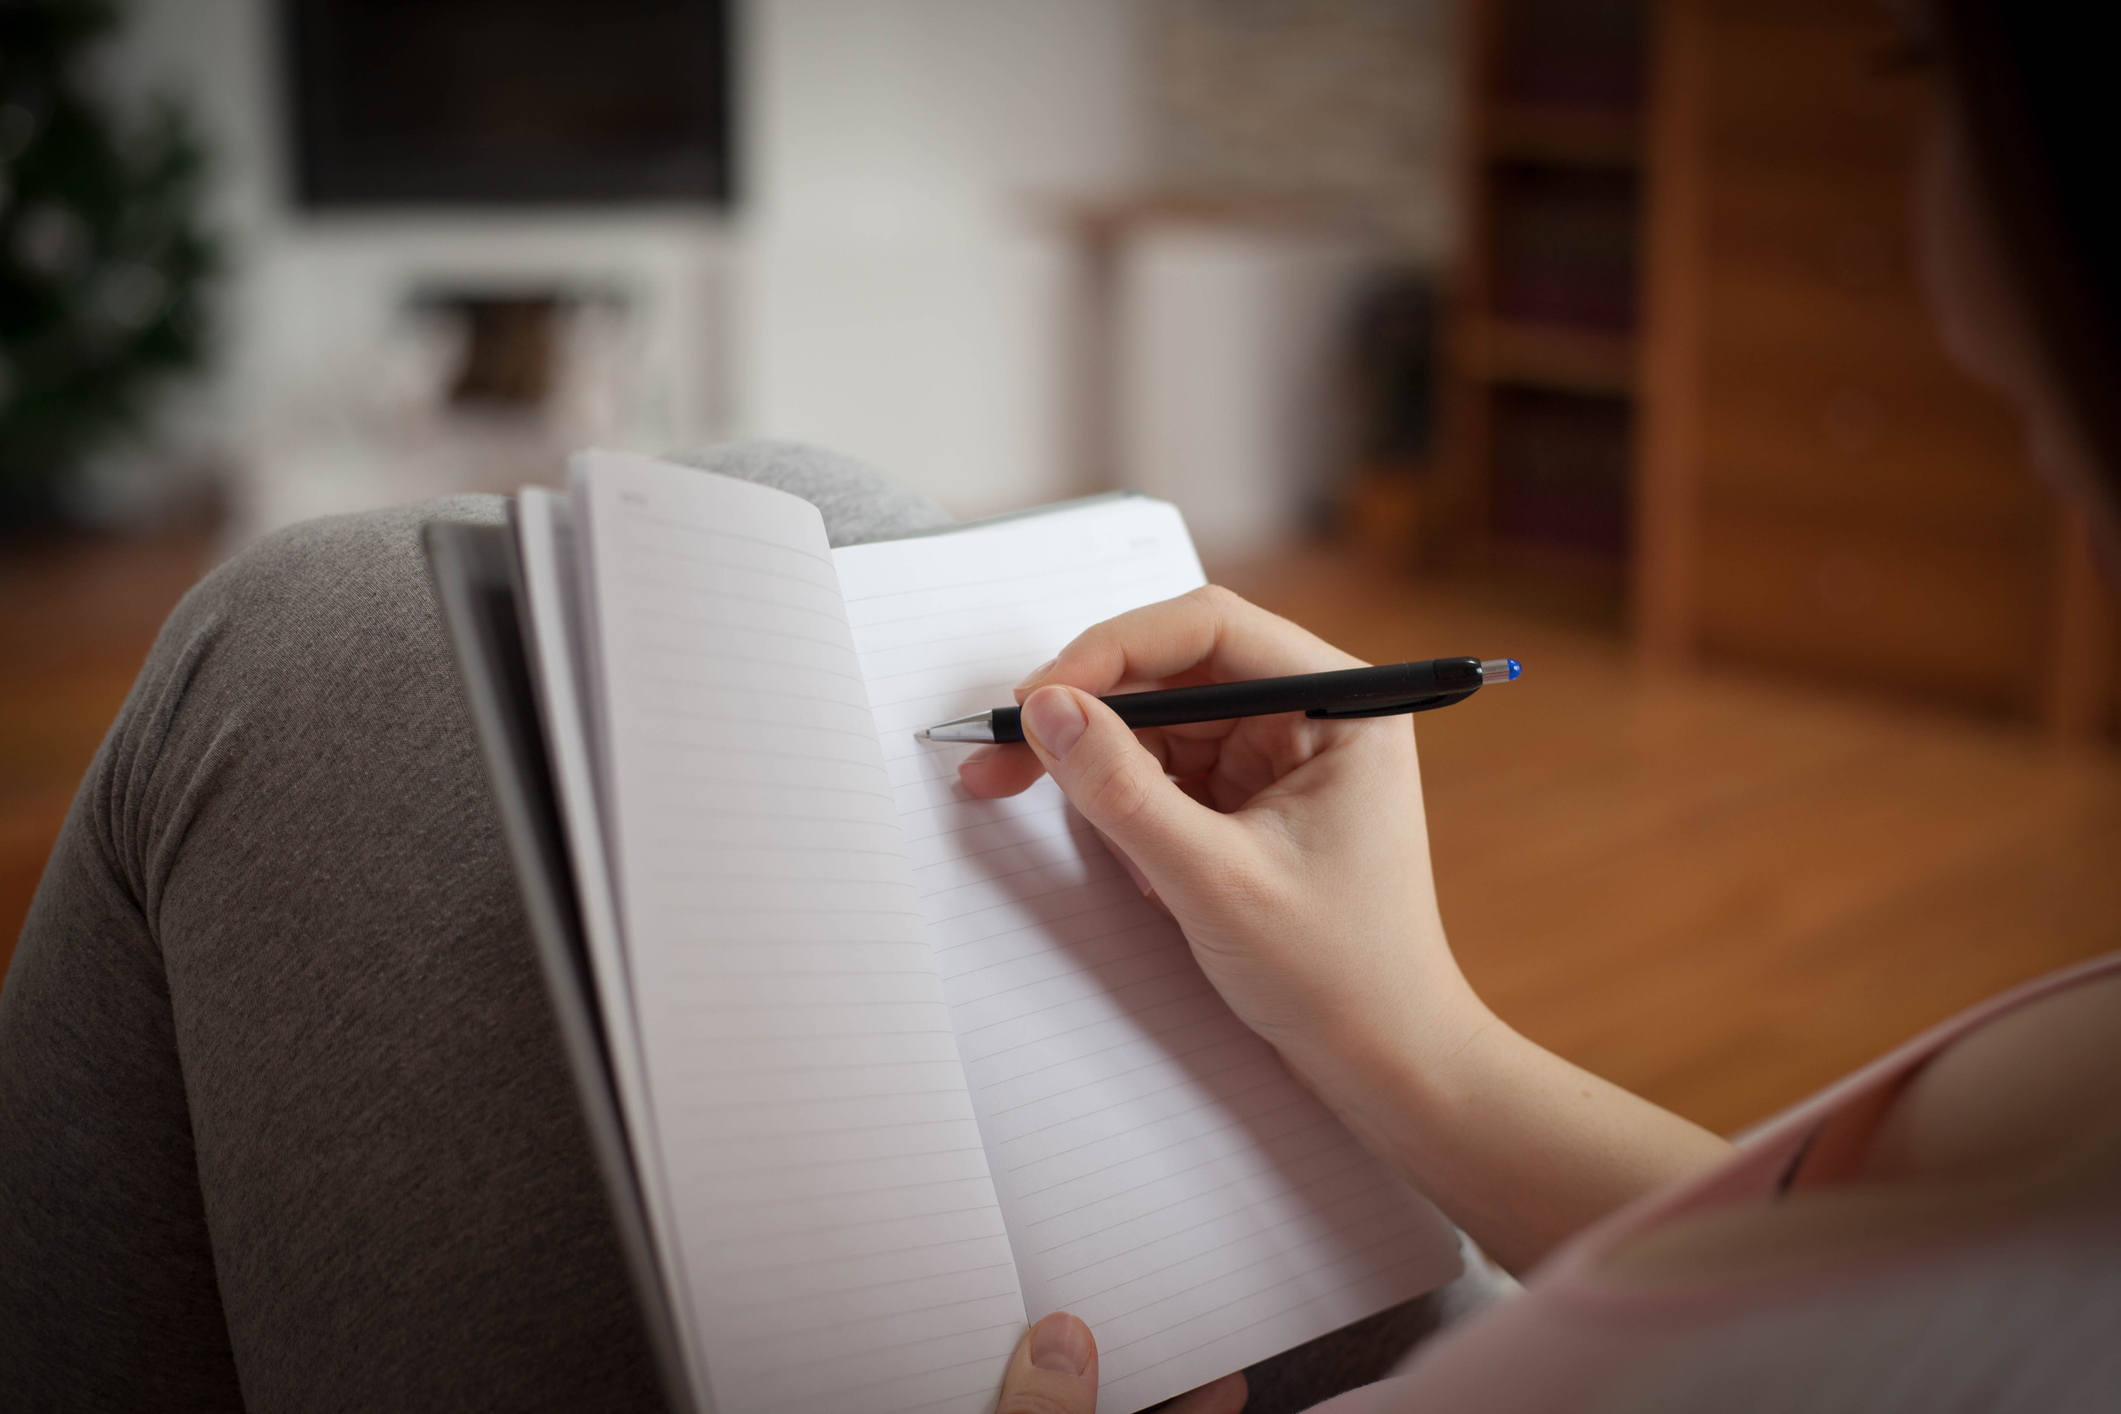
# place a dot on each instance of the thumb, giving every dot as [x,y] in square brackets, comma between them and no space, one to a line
[1054,1370]
[1117,785]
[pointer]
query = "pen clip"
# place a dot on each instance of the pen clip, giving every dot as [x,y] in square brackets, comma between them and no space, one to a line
[1395,709]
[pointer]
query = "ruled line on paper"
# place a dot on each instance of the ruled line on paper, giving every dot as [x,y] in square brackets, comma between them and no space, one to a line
[752,660]
[735,624]
[1177,1053]
[844,1352]
[700,700]
[1137,1277]
[1307,1128]
[1164,1233]
[857,1160]
[1210,1133]
[785,1301]
[1032,952]
[637,517]
[1121,1133]
[1067,576]
[825,616]
[1204,1017]
[1153,1333]
[740,720]
[1148,1016]
[691,778]
[868,1223]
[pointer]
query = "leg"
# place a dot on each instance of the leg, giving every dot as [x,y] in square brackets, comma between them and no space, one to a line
[287,1123]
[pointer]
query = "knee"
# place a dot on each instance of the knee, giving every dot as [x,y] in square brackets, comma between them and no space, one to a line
[298,689]
[329,626]
[350,589]
[360,567]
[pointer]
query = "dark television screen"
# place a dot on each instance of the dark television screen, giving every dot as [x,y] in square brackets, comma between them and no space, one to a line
[400,102]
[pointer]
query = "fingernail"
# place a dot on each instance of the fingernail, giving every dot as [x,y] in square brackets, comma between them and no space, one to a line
[1052,720]
[979,754]
[1038,672]
[1060,1342]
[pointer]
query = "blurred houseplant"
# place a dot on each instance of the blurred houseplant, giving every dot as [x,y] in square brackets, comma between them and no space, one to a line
[102,256]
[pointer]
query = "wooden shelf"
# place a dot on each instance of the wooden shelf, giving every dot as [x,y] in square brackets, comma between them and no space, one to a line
[1549,356]
[1575,137]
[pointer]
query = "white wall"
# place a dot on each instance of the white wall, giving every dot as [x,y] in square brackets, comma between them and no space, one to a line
[1228,343]
[886,289]
[906,294]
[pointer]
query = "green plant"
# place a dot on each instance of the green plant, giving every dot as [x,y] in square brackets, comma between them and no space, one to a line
[103,259]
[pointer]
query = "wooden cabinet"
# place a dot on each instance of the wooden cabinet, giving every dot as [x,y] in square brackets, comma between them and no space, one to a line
[1690,347]
[1537,429]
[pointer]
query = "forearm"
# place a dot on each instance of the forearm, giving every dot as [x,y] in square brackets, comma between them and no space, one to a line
[1516,1145]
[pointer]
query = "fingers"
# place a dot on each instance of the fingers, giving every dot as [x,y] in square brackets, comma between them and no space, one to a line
[1225,1396]
[1054,1370]
[1209,634]
[1119,787]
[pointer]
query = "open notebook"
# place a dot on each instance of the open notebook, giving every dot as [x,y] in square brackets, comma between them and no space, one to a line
[898,1069]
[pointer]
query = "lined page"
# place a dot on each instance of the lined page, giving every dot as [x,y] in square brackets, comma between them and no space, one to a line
[837,1234]
[1162,1176]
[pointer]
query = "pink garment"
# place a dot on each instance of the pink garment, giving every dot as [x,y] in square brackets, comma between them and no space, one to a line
[2023,1319]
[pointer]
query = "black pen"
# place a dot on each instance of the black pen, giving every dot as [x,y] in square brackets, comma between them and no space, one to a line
[1389,691]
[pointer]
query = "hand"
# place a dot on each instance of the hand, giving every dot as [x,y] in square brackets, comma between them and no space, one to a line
[1294,855]
[1292,852]
[1054,1371]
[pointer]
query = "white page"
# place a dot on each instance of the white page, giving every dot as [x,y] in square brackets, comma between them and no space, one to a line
[1162,1175]
[559,652]
[837,1234]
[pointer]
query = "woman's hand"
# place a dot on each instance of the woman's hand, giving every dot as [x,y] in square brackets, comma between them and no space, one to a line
[1295,856]
[1054,1371]
[1292,852]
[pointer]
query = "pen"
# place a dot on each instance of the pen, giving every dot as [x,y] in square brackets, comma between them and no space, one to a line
[1386,691]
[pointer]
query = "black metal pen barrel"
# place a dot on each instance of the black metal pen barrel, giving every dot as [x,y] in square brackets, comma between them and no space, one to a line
[1351,689]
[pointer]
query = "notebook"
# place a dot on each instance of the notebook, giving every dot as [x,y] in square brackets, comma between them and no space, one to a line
[898,1070]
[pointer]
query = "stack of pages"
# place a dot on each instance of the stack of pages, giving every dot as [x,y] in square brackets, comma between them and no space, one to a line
[899,1069]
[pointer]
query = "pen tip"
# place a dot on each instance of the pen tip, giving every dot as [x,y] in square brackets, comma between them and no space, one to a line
[922,735]
[1515,668]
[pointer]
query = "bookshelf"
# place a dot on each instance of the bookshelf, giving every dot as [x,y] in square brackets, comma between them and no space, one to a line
[1542,346]
[1693,380]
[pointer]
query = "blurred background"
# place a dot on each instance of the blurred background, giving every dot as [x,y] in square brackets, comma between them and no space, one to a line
[1587,331]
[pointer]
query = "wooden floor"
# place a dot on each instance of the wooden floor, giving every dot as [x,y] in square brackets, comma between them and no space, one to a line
[1722,891]
[1719,891]
[76,620]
